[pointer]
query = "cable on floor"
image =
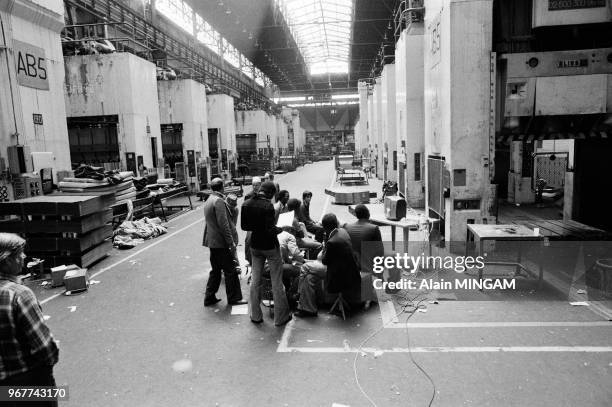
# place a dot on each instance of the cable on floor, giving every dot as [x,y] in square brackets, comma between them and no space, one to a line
[409,303]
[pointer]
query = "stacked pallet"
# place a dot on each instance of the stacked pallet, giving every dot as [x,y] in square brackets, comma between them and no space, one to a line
[62,229]
[124,189]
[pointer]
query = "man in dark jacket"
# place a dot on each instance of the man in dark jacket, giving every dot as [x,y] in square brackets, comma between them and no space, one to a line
[337,266]
[365,238]
[367,244]
[338,256]
[257,216]
[219,237]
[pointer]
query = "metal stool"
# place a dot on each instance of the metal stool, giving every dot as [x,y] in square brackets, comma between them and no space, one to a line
[341,304]
[266,294]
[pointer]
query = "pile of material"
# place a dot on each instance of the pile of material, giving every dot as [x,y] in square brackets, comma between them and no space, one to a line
[131,233]
[62,229]
[88,179]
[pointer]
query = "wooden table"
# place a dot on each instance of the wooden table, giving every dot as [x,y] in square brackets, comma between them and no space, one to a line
[412,220]
[515,233]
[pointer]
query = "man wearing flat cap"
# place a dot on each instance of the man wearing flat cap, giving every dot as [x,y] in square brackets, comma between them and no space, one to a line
[28,351]
[221,238]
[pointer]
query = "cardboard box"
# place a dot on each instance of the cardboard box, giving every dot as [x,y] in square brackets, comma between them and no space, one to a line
[58,273]
[76,280]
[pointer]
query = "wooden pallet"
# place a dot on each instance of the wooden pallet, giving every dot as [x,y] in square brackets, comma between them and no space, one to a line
[58,205]
[77,244]
[84,259]
[72,225]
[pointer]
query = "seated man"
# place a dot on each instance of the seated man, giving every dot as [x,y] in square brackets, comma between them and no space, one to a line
[337,266]
[299,229]
[292,262]
[281,205]
[367,244]
[304,217]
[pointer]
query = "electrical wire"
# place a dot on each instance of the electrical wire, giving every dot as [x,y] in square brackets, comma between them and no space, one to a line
[426,227]
[414,362]
[409,303]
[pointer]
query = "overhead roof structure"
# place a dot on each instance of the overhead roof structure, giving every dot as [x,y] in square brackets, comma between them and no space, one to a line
[322,31]
[305,46]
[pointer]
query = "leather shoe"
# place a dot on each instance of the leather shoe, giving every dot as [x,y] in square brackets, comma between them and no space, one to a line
[211,301]
[304,314]
[257,322]
[239,302]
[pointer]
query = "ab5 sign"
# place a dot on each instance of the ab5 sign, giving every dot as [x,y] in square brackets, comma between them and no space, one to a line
[31,65]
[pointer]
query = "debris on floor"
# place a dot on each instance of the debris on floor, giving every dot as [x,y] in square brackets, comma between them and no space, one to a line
[182,365]
[131,233]
[242,309]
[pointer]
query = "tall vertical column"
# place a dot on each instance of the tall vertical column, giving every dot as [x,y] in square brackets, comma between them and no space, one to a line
[458,44]
[410,114]
[362,89]
[388,133]
[377,129]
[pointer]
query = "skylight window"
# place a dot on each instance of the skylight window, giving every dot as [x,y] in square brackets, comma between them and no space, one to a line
[322,31]
[178,12]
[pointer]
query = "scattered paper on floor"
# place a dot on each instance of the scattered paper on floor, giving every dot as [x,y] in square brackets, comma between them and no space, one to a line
[242,309]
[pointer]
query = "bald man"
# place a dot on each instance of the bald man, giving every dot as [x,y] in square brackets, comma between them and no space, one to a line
[221,238]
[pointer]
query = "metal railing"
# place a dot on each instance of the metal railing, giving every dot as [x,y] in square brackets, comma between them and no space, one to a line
[210,68]
[407,13]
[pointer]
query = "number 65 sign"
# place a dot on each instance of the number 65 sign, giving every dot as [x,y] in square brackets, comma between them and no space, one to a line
[435,40]
[31,65]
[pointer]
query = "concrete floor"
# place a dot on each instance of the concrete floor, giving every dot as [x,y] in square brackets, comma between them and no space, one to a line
[141,337]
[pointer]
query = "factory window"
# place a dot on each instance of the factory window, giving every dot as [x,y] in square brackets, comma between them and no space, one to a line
[178,12]
[207,35]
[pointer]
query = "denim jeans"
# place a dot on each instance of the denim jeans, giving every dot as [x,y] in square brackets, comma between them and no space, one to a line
[275,262]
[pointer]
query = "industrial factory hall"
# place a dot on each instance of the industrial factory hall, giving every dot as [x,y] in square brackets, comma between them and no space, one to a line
[335,203]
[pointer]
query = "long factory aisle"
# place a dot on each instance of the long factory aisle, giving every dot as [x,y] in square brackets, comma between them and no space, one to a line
[141,337]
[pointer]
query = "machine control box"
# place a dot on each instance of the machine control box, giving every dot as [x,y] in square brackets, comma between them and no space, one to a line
[395,207]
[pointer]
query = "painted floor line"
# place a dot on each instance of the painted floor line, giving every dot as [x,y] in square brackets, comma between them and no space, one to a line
[105,269]
[327,200]
[452,349]
[283,344]
[526,324]
[388,313]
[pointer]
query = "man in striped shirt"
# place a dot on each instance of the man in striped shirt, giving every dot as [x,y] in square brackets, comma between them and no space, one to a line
[28,351]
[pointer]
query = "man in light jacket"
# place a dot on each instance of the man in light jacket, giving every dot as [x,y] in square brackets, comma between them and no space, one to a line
[219,237]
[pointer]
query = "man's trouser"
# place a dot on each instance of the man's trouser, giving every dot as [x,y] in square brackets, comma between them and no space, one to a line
[275,262]
[223,259]
[310,278]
